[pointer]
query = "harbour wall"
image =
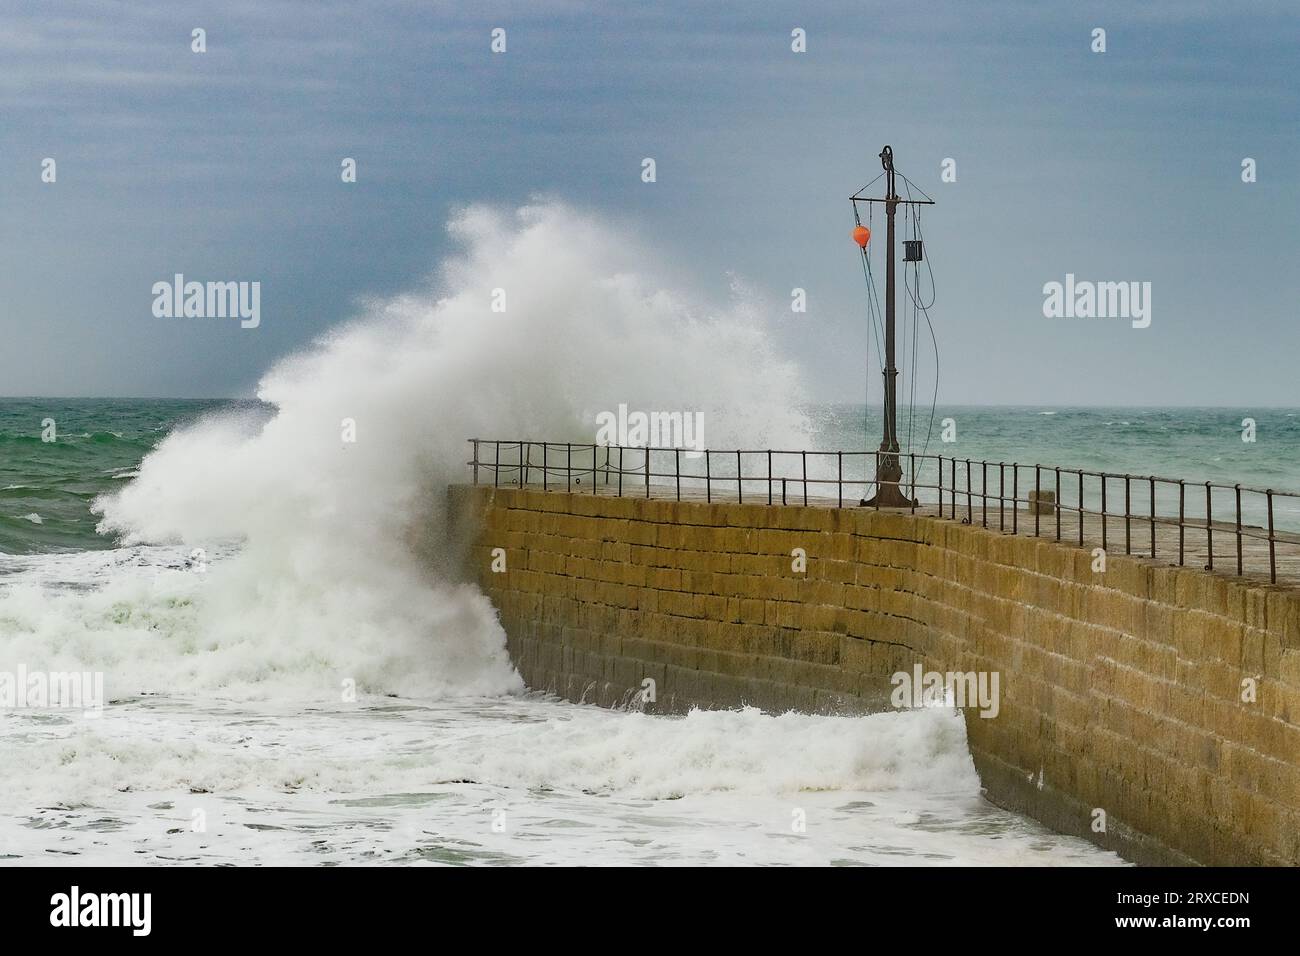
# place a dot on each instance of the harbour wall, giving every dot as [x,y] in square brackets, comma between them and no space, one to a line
[1154,710]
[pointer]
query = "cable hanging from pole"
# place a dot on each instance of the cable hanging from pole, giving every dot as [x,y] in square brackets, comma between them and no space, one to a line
[913,291]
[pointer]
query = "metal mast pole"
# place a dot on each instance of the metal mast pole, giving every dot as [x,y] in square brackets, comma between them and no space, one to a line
[890,441]
[889,470]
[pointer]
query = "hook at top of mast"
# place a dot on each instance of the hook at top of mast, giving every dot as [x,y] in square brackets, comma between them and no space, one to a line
[891,196]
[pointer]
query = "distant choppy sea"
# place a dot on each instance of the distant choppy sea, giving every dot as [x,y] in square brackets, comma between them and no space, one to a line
[276,777]
[46,486]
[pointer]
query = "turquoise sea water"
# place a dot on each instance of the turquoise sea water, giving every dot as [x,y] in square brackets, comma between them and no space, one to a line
[46,487]
[1197,444]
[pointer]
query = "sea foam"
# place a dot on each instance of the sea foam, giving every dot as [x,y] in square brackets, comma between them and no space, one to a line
[330,551]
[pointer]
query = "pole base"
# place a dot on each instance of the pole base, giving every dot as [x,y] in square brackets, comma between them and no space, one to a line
[889,477]
[889,496]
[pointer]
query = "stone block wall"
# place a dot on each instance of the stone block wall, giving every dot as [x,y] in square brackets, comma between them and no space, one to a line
[1127,691]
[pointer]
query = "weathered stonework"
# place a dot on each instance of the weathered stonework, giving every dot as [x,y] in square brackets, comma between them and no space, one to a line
[1120,691]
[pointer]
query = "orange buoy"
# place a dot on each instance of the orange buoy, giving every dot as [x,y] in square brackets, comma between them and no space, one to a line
[862,235]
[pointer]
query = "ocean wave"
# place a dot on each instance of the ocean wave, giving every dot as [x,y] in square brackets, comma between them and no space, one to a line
[736,750]
[156,620]
[341,573]
[149,746]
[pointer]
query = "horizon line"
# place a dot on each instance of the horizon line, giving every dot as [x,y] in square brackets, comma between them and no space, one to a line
[955,404]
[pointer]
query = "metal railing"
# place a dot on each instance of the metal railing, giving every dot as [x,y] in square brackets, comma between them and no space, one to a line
[1076,503]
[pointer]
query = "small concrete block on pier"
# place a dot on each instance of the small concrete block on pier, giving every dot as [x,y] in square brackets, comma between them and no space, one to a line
[1042,502]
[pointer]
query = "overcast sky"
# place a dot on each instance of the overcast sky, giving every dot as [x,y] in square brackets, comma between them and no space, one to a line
[1115,166]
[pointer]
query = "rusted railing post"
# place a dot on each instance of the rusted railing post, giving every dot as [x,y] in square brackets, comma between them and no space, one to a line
[940,484]
[970,503]
[1128,512]
[1058,502]
[1272,558]
[954,487]
[1182,519]
[1015,497]
[1002,495]
[984,493]
[1209,525]
[913,497]
[1081,507]
[878,484]
[1152,512]
[1038,491]
[941,488]
[1237,490]
[955,491]
[1104,543]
